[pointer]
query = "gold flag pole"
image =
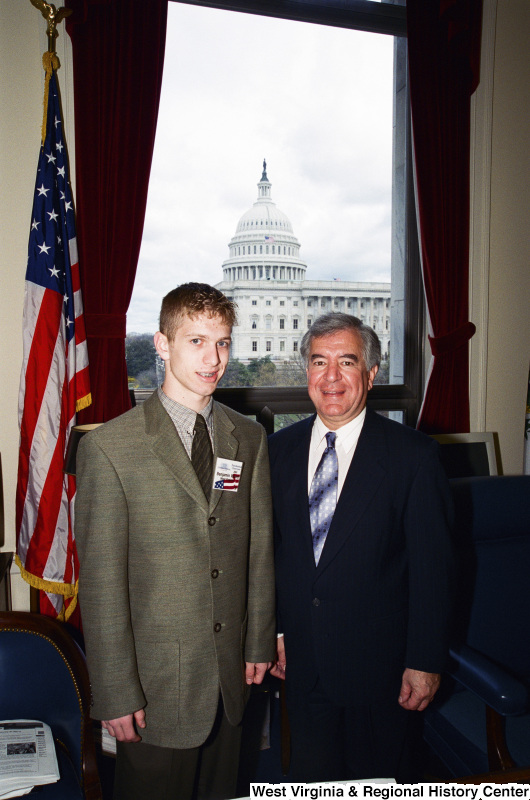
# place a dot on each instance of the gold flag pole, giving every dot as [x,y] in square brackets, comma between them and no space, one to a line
[50,60]
[53,17]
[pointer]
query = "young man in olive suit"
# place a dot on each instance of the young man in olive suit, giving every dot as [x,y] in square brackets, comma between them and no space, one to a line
[176,579]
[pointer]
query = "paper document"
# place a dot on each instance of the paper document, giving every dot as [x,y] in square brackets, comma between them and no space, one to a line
[27,756]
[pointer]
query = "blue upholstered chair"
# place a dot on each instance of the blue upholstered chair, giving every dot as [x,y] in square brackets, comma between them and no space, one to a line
[479,725]
[43,676]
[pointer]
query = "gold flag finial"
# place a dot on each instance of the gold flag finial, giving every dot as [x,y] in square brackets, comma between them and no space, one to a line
[53,17]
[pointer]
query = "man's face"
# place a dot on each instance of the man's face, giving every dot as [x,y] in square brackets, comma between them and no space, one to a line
[195,360]
[337,379]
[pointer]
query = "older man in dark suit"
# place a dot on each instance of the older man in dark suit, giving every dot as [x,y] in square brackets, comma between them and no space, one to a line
[174,531]
[363,567]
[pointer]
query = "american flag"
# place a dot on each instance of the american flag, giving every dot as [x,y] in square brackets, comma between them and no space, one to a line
[269,238]
[228,484]
[54,382]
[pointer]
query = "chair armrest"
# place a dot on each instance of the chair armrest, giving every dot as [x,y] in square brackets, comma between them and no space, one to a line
[496,687]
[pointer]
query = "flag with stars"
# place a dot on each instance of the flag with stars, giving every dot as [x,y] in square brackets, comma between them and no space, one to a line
[54,382]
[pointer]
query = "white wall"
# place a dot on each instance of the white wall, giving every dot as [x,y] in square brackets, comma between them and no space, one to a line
[509,275]
[500,274]
[500,243]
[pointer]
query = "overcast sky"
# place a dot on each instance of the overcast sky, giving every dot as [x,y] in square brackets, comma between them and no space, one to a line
[315,101]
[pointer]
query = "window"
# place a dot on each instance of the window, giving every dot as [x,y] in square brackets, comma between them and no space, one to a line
[309,322]
[295,302]
[282,346]
[295,347]
[282,323]
[295,324]
[267,302]
[406,308]
[268,323]
[268,346]
[282,302]
[254,302]
[254,347]
[254,324]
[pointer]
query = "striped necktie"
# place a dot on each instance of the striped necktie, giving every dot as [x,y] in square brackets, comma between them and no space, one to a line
[323,495]
[202,455]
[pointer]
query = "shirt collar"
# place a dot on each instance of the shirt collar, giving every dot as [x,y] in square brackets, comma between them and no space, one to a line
[175,409]
[347,435]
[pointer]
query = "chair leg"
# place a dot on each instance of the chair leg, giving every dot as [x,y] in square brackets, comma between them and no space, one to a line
[499,757]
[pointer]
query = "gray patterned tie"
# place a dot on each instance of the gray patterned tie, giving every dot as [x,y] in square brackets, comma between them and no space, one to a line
[201,455]
[323,495]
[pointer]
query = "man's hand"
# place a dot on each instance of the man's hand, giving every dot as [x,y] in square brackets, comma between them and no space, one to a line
[418,689]
[254,673]
[123,728]
[278,670]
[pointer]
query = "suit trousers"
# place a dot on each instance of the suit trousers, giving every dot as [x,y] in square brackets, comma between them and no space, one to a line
[208,772]
[332,743]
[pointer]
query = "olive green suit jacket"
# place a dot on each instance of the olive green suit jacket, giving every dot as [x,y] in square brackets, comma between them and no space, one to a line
[176,593]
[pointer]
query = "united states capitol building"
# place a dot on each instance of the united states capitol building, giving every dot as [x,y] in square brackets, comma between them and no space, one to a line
[266,277]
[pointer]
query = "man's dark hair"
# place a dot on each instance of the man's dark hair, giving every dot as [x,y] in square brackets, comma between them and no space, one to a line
[191,299]
[336,321]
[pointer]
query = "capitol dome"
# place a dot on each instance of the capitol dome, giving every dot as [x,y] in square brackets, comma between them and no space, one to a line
[264,246]
[276,305]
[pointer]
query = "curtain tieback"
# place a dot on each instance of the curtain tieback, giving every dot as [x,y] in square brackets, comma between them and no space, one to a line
[452,340]
[105,326]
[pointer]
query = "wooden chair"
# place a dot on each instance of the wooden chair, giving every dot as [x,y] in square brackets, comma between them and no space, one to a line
[43,676]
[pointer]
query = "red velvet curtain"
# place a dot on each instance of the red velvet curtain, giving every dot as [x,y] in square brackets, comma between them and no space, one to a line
[118,54]
[444,58]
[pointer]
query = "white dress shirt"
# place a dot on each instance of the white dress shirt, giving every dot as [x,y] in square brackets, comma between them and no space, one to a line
[345,444]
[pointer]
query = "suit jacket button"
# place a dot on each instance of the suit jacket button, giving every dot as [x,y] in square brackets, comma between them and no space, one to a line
[316,601]
[217,627]
[215,573]
[211,521]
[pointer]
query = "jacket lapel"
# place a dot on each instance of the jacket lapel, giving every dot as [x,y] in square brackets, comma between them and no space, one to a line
[364,479]
[165,443]
[225,446]
[294,478]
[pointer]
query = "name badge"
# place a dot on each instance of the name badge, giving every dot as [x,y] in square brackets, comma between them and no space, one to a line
[227,474]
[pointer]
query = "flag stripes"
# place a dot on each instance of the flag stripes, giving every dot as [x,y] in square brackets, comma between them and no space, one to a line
[54,382]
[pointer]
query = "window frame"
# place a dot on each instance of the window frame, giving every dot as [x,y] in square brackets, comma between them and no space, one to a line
[264,403]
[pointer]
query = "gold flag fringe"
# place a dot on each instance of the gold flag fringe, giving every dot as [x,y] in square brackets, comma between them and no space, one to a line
[67,590]
[83,402]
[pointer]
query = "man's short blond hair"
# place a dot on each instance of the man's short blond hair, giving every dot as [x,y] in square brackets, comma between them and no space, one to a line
[191,299]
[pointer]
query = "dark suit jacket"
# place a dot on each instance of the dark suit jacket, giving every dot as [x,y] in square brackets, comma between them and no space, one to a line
[379,600]
[176,593]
